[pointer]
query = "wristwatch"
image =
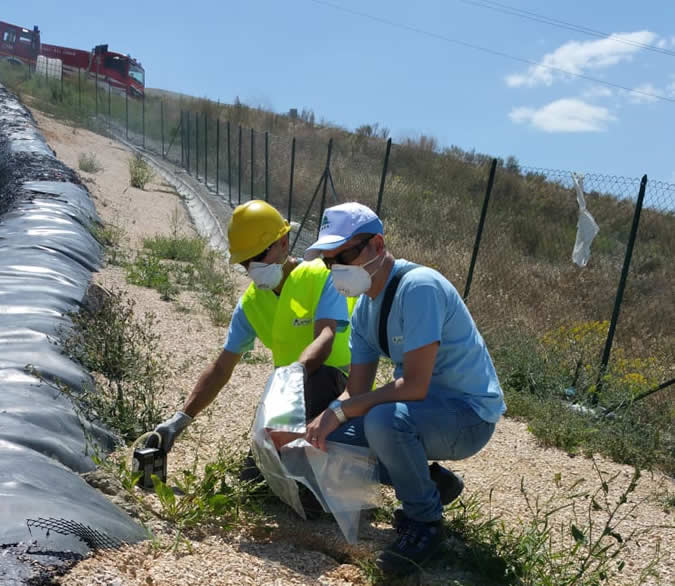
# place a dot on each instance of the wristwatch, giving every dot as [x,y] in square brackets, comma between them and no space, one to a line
[336,407]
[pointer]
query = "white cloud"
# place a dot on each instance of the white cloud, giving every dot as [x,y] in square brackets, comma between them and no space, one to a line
[643,98]
[580,57]
[565,115]
[670,90]
[598,91]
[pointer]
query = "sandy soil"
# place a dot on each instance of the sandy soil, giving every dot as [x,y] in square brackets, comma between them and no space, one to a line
[294,551]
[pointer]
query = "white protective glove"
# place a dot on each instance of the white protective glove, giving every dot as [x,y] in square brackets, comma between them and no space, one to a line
[169,430]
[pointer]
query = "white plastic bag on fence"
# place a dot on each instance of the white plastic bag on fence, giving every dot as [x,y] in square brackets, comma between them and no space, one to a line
[587,229]
[343,479]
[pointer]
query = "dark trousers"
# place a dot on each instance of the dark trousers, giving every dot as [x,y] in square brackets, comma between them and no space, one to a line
[323,386]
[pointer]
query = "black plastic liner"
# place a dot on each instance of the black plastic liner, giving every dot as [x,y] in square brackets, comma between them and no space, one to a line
[47,256]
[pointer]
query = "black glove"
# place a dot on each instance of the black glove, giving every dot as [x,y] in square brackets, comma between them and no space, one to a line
[169,430]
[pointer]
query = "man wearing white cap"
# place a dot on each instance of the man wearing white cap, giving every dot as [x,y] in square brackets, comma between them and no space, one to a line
[445,399]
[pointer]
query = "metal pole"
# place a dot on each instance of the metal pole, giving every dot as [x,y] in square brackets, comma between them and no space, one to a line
[206,149]
[143,119]
[290,187]
[189,132]
[326,172]
[322,181]
[267,164]
[161,122]
[197,145]
[126,97]
[622,285]
[252,161]
[79,90]
[217,155]
[481,223]
[96,89]
[229,164]
[239,167]
[109,106]
[182,139]
[383,178]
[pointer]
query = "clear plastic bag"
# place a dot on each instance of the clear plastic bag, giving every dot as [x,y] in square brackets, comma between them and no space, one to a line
[587,229]
[343,478]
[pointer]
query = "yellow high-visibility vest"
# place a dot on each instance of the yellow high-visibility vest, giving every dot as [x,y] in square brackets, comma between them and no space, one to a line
[285,323]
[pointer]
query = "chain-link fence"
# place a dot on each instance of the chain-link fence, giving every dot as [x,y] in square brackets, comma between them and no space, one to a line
[503,234]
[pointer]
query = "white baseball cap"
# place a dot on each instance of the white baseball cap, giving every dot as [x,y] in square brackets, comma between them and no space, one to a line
[342,222]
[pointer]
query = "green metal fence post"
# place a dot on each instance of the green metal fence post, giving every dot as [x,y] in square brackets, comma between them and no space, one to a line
[143,119]
[229,164]
[251,196]
[217,155]
[267,162]
[479,232]
[239,167]
[326,173]
[197,145]
[622,287]
[384,177]
[189,138]
[290,187]
[161,123]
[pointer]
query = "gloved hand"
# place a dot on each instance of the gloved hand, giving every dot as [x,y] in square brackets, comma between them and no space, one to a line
[169,430]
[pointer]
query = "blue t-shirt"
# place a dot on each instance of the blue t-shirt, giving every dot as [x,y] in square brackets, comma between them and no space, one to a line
[332,305]
[427,309]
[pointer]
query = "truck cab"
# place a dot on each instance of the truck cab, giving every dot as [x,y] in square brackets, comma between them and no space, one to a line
[19,45]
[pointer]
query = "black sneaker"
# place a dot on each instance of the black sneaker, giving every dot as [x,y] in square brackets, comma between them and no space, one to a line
[416,545]
[313,508]
[249,471]
[449,486]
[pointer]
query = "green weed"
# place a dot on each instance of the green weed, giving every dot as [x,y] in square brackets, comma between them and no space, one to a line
[89,163]
[140,172]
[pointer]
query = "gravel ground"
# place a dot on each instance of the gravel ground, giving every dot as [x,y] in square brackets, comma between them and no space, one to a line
[293,551]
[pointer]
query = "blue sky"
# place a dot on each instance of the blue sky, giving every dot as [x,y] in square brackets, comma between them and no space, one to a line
[353,70]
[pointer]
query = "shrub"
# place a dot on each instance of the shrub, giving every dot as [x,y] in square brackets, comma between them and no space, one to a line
[139,171]
[178,248]
[89,163]
[109,341]
[148,271]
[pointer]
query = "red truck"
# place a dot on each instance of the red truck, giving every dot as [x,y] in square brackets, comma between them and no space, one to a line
[19,45]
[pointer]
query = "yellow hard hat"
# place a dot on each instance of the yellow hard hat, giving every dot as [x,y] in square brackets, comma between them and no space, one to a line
[254,225]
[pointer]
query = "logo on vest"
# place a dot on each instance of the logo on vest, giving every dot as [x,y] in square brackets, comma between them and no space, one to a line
[397,339]
[302,322]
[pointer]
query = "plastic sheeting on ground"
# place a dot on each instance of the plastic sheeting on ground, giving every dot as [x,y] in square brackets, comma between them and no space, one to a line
[47,255]
[343,478]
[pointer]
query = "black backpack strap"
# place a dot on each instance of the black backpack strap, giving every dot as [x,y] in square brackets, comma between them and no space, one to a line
[386,306]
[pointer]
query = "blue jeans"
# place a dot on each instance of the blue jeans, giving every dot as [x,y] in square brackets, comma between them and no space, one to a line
[404,436]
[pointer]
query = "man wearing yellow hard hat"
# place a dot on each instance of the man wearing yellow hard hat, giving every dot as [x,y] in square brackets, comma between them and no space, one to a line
[290,305]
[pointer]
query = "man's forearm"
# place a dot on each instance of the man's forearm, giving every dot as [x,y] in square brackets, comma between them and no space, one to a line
[212,380]
[314,355]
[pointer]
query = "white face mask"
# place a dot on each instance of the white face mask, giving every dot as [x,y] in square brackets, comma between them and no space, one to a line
[353,280]
[266,276]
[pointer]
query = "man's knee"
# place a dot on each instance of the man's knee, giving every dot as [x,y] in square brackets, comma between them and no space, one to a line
[383,419]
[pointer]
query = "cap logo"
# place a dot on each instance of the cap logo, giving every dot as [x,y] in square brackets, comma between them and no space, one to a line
[325,224]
